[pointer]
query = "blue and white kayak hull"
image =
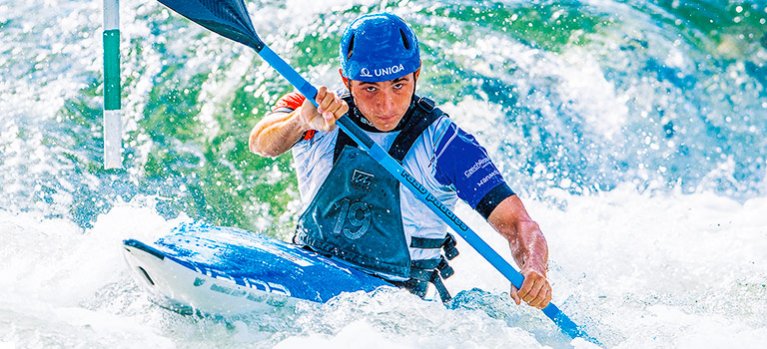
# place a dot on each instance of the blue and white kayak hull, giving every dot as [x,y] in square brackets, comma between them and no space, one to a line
[227,271]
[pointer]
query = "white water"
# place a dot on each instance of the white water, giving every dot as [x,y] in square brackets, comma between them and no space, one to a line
[663,271]
[652,269]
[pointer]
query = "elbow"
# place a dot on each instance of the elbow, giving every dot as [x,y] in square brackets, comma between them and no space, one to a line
[253,141]
[268,153]
[258,147]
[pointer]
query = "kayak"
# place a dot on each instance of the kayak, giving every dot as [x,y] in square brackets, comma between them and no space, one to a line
[210,270]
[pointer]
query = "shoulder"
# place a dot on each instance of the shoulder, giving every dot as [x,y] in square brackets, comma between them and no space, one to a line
[449,137]
[458,148]
[438,121]
[463,163]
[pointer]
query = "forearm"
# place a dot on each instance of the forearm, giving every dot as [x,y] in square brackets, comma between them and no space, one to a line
[276,133]
[526,241]
[529,247]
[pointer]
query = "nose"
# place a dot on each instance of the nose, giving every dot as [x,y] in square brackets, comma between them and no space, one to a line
[387,103]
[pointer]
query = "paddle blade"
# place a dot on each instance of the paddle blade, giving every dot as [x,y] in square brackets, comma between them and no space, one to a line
[229,18]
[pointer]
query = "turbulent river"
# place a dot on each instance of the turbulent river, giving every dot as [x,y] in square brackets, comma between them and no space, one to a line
[633,130]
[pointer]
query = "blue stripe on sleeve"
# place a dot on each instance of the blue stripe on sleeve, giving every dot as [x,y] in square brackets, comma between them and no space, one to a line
[464,164]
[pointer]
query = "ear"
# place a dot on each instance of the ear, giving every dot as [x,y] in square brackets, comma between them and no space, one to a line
[417,73]
[346,80]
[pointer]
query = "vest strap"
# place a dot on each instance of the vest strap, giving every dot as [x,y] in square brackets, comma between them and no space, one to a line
[447,244]
[428,243]
[445,270]
[444,294]
[426,271]
[449,247]
[426,264]
[426,104]
[416,124]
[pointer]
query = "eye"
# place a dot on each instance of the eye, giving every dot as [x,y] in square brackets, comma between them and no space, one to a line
[371,89]
[398,86]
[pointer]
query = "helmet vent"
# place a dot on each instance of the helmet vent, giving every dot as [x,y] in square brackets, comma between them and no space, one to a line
[404,39]
[351,47]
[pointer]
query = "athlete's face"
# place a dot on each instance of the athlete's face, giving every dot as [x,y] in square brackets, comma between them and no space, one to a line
[383,103]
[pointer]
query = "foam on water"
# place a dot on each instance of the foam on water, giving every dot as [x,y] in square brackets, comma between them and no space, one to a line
[671,270]
[632,130]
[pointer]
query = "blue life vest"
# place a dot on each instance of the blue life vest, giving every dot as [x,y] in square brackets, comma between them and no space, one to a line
[356,215]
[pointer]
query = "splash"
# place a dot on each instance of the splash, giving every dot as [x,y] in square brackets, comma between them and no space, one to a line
[633,131]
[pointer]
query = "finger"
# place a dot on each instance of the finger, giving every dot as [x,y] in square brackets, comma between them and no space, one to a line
[326,101]
[333,106]
[547,300]
[320,94]
[535,292]
[527,286]
[515,295]
[540,296]
[343,109]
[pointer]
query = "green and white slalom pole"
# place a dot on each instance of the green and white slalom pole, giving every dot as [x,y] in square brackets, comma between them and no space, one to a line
[112,122]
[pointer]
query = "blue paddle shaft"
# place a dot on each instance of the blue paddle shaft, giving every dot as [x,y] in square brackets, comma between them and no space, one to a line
[393,167]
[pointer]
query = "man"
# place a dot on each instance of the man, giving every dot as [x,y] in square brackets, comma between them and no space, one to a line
[356,210]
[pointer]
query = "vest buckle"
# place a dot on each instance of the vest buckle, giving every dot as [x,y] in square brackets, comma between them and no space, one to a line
[449,247]
[445,270]
[426,104]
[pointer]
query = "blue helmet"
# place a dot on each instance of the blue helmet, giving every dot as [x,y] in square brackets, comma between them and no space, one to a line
[379,47]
